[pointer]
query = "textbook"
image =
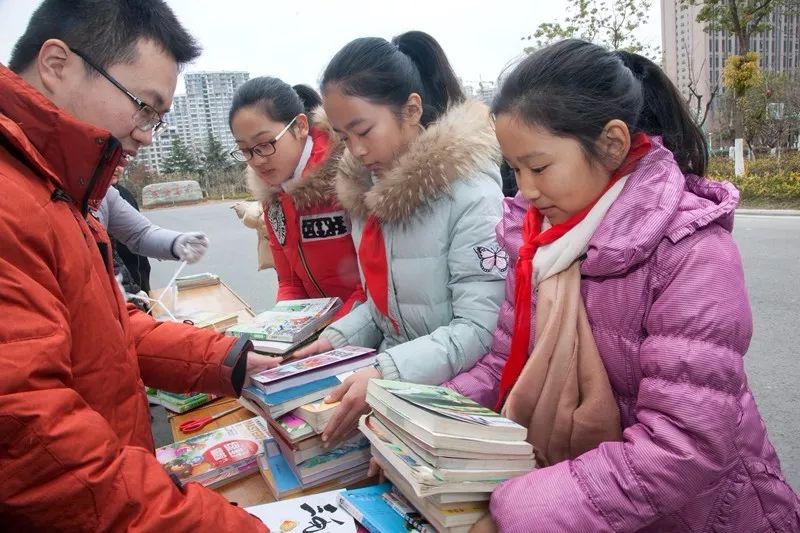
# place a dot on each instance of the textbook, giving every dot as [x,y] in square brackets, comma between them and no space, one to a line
[442,410]
[316,367]
[282,482]
[369,509]
[316,414]
[217,456]
[290,321]
[177,403]
[279,403]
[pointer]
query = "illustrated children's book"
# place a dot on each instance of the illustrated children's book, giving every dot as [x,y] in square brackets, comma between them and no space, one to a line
[202,457]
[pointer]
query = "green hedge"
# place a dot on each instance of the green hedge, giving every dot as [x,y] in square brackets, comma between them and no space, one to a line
[768,182]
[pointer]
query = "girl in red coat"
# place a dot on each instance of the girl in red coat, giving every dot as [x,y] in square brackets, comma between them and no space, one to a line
[292,162]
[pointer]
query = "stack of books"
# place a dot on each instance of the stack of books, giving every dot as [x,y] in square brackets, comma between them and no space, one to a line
[177,403]
[289,398]
[443,452]
[220,456]
[288,325]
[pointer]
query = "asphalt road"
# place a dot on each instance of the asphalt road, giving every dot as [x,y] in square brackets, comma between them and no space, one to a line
[770,247]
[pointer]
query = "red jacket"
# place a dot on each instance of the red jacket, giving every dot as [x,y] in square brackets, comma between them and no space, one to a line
[76,450]
[309,232]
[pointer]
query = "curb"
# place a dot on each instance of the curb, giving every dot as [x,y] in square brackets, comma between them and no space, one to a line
[770,212]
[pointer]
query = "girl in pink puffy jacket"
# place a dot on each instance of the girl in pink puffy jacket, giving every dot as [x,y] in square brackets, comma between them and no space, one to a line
[621,343]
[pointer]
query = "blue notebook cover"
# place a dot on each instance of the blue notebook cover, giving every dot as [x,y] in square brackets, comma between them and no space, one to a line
[369,508]
[295,392]
[285,480]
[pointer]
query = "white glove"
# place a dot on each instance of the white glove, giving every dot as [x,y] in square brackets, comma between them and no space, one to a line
[190,247]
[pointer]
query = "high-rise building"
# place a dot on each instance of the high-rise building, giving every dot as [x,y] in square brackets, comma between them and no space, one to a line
[203,109]
[695,57]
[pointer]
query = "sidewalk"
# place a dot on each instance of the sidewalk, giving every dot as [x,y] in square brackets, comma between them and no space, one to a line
[770,212]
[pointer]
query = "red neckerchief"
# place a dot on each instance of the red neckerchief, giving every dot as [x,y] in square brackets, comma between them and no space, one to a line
[372,258]
[532,238]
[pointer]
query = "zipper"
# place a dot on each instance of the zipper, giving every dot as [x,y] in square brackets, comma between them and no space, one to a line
[308,271]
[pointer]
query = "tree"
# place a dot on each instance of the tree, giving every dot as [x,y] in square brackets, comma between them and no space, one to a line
[695,98]
[180,159]
[741,73]
[610,23]
[216,157]
[136,176]
[741,18]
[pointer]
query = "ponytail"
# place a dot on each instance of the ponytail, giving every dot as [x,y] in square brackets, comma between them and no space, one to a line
[278,100]
[574,88]
[664,113]
[386,73]
[310,98]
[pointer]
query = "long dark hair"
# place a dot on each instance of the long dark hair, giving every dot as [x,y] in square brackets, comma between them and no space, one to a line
[387,73]
[276,98]
[574,88]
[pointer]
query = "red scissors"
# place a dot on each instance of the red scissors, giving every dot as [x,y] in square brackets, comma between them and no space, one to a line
[190,426]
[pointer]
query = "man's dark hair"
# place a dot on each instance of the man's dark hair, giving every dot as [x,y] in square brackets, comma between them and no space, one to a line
[105,30]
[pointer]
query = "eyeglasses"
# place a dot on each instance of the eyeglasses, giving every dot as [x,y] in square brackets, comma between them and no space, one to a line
[262,149]
[146,117]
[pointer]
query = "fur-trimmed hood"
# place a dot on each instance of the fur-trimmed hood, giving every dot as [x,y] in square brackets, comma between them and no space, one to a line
[460,144]
[316,187]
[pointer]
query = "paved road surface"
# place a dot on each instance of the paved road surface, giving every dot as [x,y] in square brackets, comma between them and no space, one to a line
[770,248]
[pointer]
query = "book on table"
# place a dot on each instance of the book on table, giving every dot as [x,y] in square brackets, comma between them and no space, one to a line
[177,403]
[368,507]
[282,482]
[289,321]
[316,367]
[218,456]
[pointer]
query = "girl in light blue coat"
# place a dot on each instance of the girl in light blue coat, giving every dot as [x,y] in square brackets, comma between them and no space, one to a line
[420,180]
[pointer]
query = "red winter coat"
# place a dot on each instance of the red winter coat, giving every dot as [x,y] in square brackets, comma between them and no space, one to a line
[309,232]
[76,450]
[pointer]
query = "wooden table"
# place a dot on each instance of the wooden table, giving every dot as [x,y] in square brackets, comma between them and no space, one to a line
[219,298]
[250,490]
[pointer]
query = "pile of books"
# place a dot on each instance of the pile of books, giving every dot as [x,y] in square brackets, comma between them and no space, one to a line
[288,325]
[219,456]
[177,403]
[443,452]
[289,398]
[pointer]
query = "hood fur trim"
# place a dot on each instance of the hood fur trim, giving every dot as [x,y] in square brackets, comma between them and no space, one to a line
[316,187]
[455,147]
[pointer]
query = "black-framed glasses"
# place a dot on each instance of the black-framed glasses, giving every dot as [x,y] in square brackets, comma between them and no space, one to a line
[262,149]
[146,117]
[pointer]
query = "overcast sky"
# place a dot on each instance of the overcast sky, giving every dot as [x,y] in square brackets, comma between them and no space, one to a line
[295,40]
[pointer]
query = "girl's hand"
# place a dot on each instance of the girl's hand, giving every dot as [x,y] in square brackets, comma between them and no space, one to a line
[352,393]
[258,363]
[484,525]
[318,346]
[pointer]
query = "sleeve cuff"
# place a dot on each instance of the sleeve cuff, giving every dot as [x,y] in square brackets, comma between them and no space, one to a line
[237,358]
[387,367]
[336,339]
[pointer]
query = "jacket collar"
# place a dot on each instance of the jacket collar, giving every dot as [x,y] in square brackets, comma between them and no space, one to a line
[455,147]
[658,202]
[317,186]
[74,156]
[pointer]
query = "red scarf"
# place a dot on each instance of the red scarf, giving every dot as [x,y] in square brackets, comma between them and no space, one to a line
[532,239]
[372,258]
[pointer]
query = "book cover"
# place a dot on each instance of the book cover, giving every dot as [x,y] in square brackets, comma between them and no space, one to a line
[317,414]
[347,455]
[442,410]
[281,402]
[201,457]
[311,513]
[288,321]
[283,483]
[369,509]
[313,368]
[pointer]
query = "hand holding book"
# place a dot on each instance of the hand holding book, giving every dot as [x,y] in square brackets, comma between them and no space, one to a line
[258,363]
[320,345]
[353,395]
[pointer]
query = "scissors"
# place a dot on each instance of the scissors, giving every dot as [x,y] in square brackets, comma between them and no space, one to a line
[197,424]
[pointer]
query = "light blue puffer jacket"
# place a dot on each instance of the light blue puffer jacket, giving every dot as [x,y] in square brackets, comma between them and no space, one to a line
[438,209]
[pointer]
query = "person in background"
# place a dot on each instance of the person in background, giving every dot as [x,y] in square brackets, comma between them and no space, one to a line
[631,316]
[135,238]
[420,180]
[292,157]
[88,83]
[252,215]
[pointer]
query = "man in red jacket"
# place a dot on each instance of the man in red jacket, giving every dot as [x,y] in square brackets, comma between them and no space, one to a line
[89,83]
